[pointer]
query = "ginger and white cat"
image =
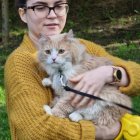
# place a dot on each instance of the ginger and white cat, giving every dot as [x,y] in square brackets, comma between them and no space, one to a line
[66,55]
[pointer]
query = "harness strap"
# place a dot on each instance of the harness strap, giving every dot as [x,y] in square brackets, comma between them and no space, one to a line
[98,98]
[67,88]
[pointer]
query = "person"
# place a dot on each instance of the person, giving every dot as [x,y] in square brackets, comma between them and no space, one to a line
[26,96]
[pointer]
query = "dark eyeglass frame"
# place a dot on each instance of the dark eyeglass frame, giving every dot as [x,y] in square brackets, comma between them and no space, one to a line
[50,8]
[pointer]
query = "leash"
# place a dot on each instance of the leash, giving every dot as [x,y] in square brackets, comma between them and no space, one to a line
[67,88]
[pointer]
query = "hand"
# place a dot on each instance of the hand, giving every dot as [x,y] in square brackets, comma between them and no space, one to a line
[90,82]
[107,133]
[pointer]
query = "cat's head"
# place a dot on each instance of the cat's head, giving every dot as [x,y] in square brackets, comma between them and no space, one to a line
[60,49]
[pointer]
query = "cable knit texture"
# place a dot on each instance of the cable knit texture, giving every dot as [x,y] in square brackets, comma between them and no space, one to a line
[26,96]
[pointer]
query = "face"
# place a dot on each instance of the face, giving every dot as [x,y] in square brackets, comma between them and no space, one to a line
[49,25]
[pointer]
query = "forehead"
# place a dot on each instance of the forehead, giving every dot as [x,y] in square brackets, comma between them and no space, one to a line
[45,1]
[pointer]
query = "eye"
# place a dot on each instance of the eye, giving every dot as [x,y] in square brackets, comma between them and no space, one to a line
[59,7]
[47,51]
[40,7]
[61,51]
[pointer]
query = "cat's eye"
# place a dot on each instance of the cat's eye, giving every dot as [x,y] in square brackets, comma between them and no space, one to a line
[47,51]
[61,51]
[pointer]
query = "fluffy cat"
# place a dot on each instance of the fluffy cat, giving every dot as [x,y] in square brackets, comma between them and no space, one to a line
[64,53]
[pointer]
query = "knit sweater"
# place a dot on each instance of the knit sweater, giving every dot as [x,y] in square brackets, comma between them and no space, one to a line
[26,96]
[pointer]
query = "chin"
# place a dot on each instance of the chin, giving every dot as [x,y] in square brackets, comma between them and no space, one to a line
[50,32]
[55,32]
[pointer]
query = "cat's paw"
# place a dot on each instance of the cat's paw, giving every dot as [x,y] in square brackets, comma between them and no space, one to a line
[59,114]
[47,109]
[76,117]
[46,82]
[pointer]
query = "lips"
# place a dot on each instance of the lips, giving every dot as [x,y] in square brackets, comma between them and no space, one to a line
[52,24]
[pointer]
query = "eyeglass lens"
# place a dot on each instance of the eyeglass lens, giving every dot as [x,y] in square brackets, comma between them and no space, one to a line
[43,11]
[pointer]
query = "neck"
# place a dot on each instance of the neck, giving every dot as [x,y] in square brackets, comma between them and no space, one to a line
[34,39]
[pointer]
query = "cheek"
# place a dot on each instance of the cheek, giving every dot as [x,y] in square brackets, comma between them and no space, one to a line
[60,59]
[49,60]
[62,21]
[34,24]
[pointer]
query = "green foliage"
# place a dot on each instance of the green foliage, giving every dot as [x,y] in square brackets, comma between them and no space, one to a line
[136,103]
[2,96]
[128,52]
[4,126]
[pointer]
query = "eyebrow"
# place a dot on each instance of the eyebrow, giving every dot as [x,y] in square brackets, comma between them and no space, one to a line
[44,3]
[60,1]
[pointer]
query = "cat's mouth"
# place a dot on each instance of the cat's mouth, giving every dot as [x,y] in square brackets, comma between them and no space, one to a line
[55,63]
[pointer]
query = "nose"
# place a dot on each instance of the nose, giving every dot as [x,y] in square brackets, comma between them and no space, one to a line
[51,14]
[53,59]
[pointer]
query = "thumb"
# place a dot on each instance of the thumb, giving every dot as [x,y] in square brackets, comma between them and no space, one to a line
[76,78]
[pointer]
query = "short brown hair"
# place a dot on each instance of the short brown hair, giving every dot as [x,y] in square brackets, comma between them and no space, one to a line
[20,3]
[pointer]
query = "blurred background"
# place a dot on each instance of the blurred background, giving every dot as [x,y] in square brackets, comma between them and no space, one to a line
[114,24]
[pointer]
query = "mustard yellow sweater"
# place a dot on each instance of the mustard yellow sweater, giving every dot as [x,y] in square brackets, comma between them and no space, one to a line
[26,97]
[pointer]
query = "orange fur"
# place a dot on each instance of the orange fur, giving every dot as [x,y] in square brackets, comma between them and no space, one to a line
[75,61]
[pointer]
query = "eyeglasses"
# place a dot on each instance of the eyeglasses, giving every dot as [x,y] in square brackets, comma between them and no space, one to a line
[42,11]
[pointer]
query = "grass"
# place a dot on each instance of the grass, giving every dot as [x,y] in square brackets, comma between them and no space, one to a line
[4,127]
[130,52]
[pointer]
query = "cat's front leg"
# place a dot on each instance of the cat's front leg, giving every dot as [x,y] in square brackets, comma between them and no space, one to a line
[46,82]
[75,116]
[62,108]
[47,109]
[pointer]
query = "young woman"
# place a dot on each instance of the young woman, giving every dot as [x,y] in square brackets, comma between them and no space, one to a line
[26,95]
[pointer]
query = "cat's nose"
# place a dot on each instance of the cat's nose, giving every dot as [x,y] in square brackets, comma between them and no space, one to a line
[53,59]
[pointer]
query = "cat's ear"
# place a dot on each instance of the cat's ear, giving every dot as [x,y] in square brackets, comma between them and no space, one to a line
[78,52]
[43,40]
[69,36]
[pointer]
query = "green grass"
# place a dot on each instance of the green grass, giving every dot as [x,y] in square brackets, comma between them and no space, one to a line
[130,52]
[4,127]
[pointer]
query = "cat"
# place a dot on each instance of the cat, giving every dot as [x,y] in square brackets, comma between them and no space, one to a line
[65,54]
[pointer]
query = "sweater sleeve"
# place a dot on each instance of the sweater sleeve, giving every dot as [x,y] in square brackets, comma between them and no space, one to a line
[25,99]
[132,68]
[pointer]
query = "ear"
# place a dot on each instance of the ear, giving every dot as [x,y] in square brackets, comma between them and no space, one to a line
[69,36]
[43,40]
[22,14]
[78,52]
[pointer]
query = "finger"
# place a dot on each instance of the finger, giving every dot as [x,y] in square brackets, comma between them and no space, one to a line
[96,93]
[77,78]
[78,87]
[86,100]
[70,96]
[78,98]
[91,102]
